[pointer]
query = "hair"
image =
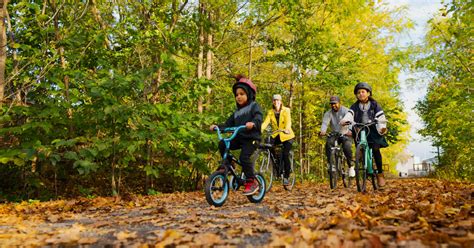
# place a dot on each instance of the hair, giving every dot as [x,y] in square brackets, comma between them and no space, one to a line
[238,77]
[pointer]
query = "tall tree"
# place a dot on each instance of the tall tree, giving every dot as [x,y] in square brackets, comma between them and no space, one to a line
[3,47]
[447,107]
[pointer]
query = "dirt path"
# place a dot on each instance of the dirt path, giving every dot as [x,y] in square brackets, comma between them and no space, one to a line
[412,213]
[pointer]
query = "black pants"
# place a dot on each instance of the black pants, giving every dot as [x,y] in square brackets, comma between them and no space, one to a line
[248,148]
[346,148]
[286,154]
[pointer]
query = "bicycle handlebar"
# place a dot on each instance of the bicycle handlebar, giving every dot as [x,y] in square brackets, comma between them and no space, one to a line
[278,131]
[332,134]
[233,130]
[357,124]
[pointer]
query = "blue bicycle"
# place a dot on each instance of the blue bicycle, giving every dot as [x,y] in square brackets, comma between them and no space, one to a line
[218,183]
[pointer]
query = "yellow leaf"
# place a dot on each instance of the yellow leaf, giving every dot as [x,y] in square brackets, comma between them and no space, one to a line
[126,235]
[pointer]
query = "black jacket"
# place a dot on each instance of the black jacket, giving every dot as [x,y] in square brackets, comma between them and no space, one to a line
[248,113]
[375,111]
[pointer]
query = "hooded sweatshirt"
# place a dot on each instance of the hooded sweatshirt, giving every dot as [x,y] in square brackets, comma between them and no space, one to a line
[250,112]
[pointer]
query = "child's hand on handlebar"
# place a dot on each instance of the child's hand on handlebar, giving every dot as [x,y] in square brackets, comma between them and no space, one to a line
[249,125]
[212,127]
[286,131]
[322,133]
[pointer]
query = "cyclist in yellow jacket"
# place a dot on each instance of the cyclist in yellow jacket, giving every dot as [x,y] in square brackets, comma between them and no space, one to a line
[280,119]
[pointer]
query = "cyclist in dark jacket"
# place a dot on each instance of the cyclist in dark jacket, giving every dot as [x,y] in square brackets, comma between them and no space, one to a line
[366,110]
[248,113]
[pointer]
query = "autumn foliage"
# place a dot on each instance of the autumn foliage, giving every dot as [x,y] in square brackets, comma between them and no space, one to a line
[408,212]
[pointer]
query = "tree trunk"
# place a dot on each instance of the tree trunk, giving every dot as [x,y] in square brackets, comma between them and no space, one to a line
[61,50]
[201,53]
[14,56]
[3,48]
[209,59]
[290,101]
[250,57]
[103,26]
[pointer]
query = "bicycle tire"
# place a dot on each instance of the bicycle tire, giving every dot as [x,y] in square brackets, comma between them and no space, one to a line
[346,179]
[216,189]
[258,197]
[292,179]
[332,170]
[360,169]
[265,167]
[374,176]
[343,171]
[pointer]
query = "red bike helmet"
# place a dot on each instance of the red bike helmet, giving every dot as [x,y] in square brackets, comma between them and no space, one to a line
[246,83]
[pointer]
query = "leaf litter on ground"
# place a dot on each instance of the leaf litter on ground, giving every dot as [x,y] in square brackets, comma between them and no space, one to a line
[407,212]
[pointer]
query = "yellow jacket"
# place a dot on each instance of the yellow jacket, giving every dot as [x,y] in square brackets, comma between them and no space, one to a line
[285,123]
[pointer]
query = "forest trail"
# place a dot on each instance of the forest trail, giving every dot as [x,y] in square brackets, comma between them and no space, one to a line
[407,212]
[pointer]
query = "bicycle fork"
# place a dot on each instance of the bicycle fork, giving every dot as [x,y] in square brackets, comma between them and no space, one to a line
[368,158]
[332,164]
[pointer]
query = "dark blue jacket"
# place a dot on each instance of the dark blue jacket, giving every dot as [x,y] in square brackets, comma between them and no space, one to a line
[248,113]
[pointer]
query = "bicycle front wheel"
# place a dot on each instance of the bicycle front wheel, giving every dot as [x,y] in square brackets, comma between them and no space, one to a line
[264,166]
[344,171]
[292,179]
[361,169]
[332,170]
[217,189]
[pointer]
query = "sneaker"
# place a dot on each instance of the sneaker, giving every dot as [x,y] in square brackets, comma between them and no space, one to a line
[380,180]
[251,187]
[352,172]
[286,182]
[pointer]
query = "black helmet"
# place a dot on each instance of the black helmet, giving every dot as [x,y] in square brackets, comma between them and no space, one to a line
[362,85]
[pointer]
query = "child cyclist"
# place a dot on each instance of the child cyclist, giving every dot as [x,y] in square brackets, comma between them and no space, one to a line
[248,113]
[366,110]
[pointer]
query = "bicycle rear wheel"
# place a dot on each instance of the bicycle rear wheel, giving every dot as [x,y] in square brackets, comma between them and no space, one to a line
[373,176]
[258,197]
[292,178]
[360,169]
[264,165]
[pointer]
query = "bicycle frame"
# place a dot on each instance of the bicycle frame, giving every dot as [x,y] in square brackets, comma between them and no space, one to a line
[336,168]
[336,146]
[364,159]
[279,164]
[227,141]
[273,167]
[367,150]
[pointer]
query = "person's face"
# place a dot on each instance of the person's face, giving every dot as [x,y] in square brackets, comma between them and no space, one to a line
[240,96]
[335,106]
[277,104]
[362,95]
